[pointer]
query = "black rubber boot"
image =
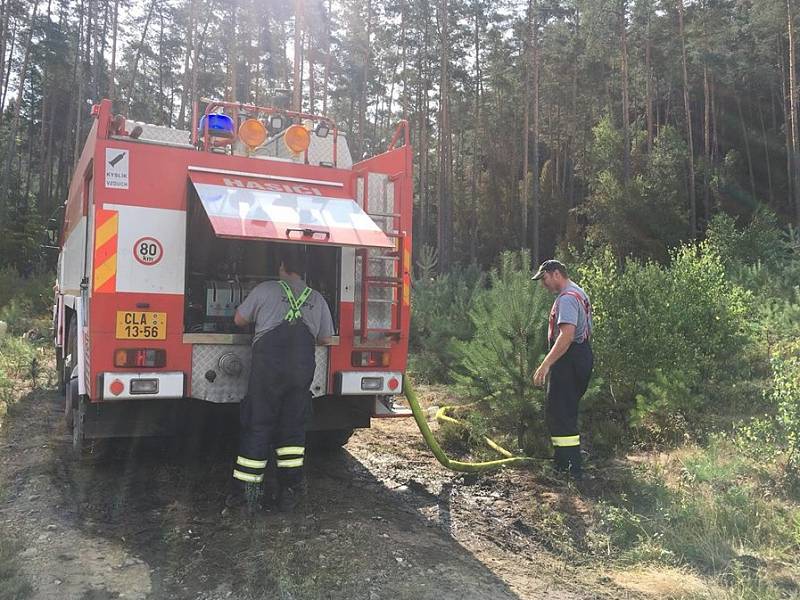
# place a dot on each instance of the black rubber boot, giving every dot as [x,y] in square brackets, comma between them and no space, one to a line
[289,497]
[575,463]
[561,456]
[245,497]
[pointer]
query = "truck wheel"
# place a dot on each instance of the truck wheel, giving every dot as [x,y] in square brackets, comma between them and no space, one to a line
[62,380]
[68,365]
[78,414]
[328,440]
[70,400]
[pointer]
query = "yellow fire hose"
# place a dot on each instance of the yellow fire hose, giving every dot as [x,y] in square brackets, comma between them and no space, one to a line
[455,465]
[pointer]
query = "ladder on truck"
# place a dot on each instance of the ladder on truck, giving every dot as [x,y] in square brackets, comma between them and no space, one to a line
[388,262]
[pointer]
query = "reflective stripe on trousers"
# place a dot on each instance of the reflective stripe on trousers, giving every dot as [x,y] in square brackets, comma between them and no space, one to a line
[273,414]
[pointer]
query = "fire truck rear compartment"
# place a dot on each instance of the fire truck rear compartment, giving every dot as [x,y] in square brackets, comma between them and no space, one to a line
[220,272]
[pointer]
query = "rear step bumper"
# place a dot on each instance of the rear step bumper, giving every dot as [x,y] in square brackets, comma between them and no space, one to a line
[142,385]
[369,383]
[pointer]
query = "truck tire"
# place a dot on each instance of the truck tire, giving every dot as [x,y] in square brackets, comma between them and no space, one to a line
[328,440]
[69,363]
[78,442]
[62,380]
[70,400]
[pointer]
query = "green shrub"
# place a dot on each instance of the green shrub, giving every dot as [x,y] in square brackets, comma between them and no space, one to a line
[496,367]
[774,438]
[6,392]
[16,356]
[760,240]
[785,395]
[26,302]
[440,308]
[20,360]
[666,335]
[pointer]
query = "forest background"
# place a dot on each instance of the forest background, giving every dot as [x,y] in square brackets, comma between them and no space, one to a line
[653,145]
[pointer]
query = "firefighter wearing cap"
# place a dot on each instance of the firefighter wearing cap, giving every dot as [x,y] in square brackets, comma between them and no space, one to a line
[290,319]
[568,363]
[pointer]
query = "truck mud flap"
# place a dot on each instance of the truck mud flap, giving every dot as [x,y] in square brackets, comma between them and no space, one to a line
[134,418]
[340,412]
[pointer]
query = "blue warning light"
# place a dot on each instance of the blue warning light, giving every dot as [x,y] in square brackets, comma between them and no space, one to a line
[219,125]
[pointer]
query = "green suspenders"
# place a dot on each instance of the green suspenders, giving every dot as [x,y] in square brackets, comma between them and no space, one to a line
[295,304]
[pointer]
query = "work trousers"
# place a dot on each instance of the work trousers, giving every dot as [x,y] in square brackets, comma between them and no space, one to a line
[569,378]
[273,414]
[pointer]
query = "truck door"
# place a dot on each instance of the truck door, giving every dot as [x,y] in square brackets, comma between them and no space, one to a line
[383,285]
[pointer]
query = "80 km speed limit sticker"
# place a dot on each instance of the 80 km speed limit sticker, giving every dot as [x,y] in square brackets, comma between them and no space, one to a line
[148,251]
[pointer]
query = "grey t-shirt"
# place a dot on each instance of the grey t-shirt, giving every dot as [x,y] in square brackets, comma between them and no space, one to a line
[267,305]
[573,312]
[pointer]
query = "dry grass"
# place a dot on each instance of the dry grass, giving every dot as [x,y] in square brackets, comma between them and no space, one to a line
[666,583]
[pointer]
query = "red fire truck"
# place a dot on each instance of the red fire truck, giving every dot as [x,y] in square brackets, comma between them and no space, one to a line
[166,231]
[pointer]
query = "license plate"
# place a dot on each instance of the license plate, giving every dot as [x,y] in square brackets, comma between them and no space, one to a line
[137,325]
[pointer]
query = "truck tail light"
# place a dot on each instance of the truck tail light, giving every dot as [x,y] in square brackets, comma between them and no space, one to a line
[144,386]
[372,383]
[134,358]
[370,359]
[116,387]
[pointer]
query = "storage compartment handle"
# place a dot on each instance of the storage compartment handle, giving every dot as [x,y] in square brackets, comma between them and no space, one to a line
[308,233]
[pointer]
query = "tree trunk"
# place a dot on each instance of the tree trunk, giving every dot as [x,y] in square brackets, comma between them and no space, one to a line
[648,80]
[79,75]
[362,108]
[196,60]
[137,56]
[473,230]
[746,138]
[765,139]
[7,76]
[112,78]
[297,80]
[390,100]
[404,60]
[536,196]
[444,221]
[793,109]
[524,185]
[327,69]
[4,12]
[690,141]
[233,55]
[424,102]
[87,49]
[47,196]
[311,88]
[190,40]
[11,149]
[626,109]
[100,53]
[706,144]
[161,97]
[574,106]
[714,127]
[787,128]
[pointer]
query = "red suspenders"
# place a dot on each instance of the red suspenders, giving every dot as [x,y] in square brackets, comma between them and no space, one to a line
[551,327]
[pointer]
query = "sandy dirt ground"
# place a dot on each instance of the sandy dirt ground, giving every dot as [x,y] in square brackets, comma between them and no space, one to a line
[144,520]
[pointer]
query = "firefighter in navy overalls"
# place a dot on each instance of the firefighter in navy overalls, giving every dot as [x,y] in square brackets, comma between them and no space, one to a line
[290,320]
[568,363]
